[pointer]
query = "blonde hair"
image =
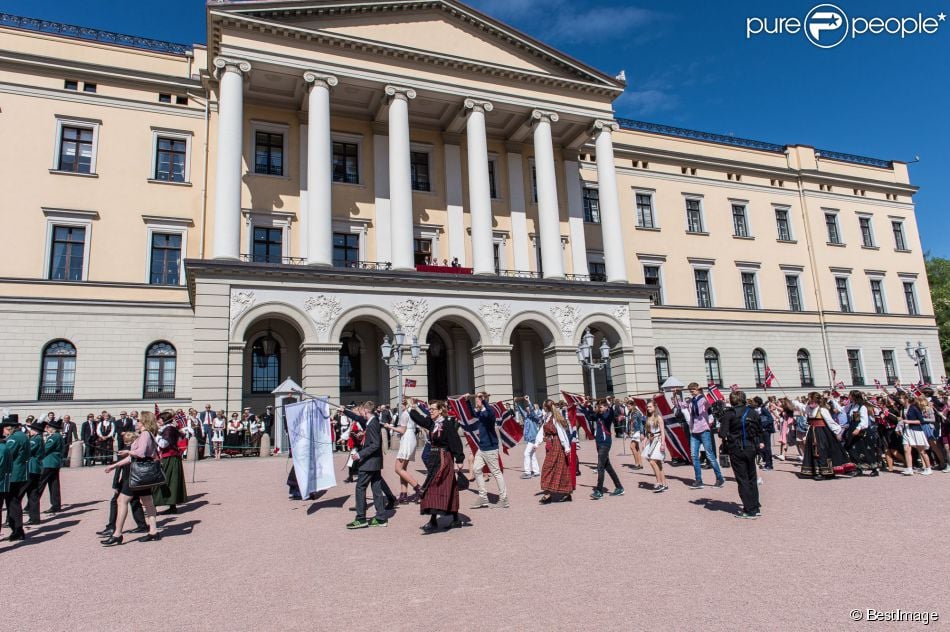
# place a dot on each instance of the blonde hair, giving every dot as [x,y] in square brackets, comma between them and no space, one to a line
[550,406]
[923,404]
[128,438]
[655,420]
[147,419]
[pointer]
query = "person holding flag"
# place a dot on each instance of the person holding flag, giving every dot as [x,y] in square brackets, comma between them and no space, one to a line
[487,455]
[439,492]
[532,421]
[557,476]
[700,434]
[603,421]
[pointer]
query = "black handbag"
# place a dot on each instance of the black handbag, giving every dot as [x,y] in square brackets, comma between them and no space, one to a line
[145,474]
[461,480]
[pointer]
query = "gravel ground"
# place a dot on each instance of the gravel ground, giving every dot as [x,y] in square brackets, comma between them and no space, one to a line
[240,556]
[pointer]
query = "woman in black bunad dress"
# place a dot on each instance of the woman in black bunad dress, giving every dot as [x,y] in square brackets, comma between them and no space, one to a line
[440,492]
[861,440]
[824,457]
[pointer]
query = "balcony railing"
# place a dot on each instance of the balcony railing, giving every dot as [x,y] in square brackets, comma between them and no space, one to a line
[55,393]
[367,265]
[291,261]
[520,274]
[94,35]
[150,393]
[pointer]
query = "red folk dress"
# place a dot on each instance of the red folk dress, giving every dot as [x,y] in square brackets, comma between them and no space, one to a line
[556,474]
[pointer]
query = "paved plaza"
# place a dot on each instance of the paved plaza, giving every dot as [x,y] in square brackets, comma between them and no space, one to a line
[243,557]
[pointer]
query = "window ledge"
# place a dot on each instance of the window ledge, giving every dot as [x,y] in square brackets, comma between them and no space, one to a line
[701,233]
[266,175]
[902,250]
[871,247]
[354,185]
[836,245]
[171,182]
[652,229]
[417,191]
[787,241]
[592,223]
[59,172]
[746,237]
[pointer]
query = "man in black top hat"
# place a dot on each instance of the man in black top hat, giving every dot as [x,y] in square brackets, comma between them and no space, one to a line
[18,449]
[52,462]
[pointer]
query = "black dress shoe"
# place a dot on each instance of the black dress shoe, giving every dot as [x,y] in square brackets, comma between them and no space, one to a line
[113,541]
[53,510]
[106,532]
[139,530]
[16,536]
[152,537]
[429,527]
[33,523]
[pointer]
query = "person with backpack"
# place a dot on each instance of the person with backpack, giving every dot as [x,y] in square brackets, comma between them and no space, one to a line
[768,429]
[741,430]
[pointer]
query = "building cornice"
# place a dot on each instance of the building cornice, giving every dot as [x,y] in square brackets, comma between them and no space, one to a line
[100,100]
[843,198]
[112,72]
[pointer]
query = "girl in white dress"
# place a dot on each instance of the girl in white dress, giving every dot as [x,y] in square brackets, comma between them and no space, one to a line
[217,434]
[407,452]
[655,450]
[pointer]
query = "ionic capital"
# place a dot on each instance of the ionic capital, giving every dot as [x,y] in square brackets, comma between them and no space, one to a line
[399,92]
[606,125]
[544,116]
[314,79]
[477,105]
[225,64]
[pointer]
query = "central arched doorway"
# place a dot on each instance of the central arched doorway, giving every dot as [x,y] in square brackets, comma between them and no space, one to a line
[450,368]
[271,355]
[529,340]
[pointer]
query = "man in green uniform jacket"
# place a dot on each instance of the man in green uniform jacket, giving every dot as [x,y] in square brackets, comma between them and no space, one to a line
[4,473]
[18,451]
[35,470]
[52,462]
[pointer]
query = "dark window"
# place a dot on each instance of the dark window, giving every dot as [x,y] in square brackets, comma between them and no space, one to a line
[268,246]
[831,222]
[844,297]
[69,84]
[748,290]
[651,276]
[88,87]
[740,224]
[890,366]
[694,216]
[645,211]
[782,224]
[180,100]
[534,183]
[66,256]
[910,298]
[703,291]
[422,251]
[170,155]
[160,365]
[597,270]
[75,149]
[346,249]
[419,166]
[350,367]
[854,363]
[877,296]
[346,163]
[58,374]
[492,186]
[269,153]
[166,259]
[164,98]
[794,292]
[899,242]
[496,251]
[758,367]
[867,239]
[591,205]
[713,372]
[662,365]
[265,365]
[804,368]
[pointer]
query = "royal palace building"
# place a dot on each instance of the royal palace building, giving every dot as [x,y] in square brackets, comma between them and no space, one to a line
[191,224]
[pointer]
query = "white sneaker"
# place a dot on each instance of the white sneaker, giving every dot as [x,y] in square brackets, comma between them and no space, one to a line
[926,472]
[759,481]
[908,472]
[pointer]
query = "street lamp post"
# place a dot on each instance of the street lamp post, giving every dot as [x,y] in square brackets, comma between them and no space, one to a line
[585,355]
[393,355]
[917,354]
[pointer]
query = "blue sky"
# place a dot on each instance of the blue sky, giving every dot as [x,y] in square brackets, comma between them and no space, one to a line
[690,64]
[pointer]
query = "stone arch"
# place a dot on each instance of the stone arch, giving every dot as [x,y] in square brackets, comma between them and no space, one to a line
[274,309]
[461,316]
[385,320]
[614,331]
[541,323]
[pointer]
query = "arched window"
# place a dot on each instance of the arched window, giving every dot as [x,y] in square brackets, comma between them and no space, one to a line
[350,367]
[713,372]
[58,373]
[265,364]
[161,362]
[662,365]
[758,367]
[804,368]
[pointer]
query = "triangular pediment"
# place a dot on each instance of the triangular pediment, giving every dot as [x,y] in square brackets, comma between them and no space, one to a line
[441,29]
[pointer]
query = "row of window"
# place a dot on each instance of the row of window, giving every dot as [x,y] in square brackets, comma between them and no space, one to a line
[702,279]
[803,359]
[58,372]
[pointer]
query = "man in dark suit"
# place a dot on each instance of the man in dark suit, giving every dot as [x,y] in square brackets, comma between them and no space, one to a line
[268,420]
[69,435]
[123,424]
[369,465]
[89,438]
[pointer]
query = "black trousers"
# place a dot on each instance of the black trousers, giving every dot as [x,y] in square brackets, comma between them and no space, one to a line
[604,466]
[766,452]
[33,491]
[14,501]
[373,480]
[135,505]
[50,477]
[743,468]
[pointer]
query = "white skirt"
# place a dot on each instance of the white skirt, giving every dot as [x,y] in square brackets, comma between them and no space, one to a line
[652,450]
[407,447]
[915,437]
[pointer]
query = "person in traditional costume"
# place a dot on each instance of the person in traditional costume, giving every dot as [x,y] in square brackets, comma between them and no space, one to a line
[234,439]
[440,492]
[105,436]
[824,457]
[173,491]
[860,438]
[558,479]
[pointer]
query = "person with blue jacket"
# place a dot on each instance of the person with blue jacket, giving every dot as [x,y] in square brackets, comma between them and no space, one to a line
[483,427]
[532,422]
[602,420]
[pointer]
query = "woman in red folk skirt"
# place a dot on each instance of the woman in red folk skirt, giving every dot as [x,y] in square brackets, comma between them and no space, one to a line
[440,491]
[557,472]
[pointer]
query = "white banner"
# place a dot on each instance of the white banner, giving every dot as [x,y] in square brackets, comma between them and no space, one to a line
[311,442]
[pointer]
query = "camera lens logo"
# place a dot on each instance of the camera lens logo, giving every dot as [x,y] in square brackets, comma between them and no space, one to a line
[826,26]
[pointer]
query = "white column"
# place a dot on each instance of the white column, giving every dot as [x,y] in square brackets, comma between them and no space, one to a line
[381,195]
[302,156]
[609,203]
[453,198]
[400,178]
[319,170]
[575,214]
[479,190]
[549,221]
[230,168]
[520,245]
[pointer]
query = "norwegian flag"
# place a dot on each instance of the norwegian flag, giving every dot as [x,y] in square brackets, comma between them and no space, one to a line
[410,383]
[769,376]
[734,388]
[461,412]
[916,389]
[157,410]
[713,394]
[511,432]
[575,414]
[181,419]
[676,436]
[641,404]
